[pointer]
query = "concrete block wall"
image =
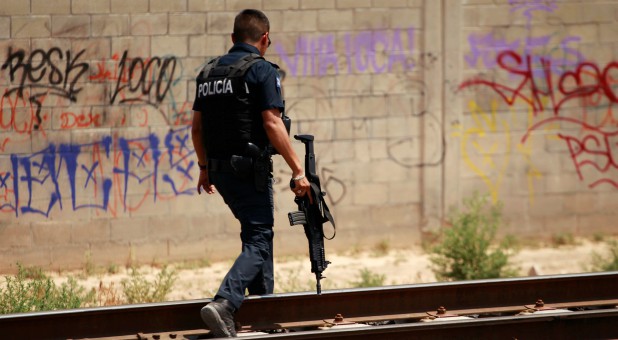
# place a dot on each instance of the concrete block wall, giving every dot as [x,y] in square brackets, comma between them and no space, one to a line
[414,104]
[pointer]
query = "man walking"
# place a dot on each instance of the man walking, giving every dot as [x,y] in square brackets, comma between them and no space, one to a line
[236,119]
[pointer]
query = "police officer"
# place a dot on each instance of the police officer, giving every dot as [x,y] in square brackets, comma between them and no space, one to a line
[238,107]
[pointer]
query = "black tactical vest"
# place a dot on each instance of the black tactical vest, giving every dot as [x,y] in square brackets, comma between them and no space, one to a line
[229,115]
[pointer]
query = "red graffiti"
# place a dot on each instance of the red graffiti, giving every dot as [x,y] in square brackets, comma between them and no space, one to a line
[70,120]
[17,112]
[591,151]
[587,83]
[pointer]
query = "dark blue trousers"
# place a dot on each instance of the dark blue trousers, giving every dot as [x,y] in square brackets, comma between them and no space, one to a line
[253,268]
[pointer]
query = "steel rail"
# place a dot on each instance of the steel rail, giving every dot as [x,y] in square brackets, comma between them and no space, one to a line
[270,312]
[595,324]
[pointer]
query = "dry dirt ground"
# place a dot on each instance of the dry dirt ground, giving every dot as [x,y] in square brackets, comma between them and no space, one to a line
[395,266]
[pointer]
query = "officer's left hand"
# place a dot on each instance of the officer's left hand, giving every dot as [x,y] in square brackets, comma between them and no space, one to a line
[204,182]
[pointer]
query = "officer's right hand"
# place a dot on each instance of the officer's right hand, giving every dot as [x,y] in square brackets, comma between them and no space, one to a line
[301,188]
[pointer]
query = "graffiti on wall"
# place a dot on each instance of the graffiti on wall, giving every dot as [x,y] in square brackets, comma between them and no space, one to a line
[112,175]
[562,94]
[51,90]
[375,51]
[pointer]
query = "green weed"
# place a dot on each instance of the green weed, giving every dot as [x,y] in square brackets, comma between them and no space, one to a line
[137,289]
[31,290]
[367,278]
[465,252]
[606,263]
[563,239]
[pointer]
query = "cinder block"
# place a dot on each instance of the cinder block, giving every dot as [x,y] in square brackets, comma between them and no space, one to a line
[375,18]
[281,5]
[316,4]
[15,142]
[353,3]
[51,233]
[110,25]
[333,20]
[129,230]
[66,257]
[15,7]
[5,27]
[71,26]
[90,6]
[187,23]
[31,257]
[390,3]
[125,7]
[321,129]
[222,23]
[300,21]
[51,7]
[166,45]
[206,5]
[397,216]
[406,18]
[238,5]
[122,253]
[90,232]
[589,33]
[353,84]
[569,14]
[369,194]
[149,24]
[15,236]
[135,46]
[207,45]
[370,107]
[30,27]
[169,228]
[157,6]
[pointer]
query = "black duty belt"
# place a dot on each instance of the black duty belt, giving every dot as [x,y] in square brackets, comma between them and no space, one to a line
[219,165]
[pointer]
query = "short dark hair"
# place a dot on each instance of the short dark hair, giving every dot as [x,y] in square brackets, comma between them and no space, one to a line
[250,25]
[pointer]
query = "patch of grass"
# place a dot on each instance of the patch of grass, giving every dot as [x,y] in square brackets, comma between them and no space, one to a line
[31,290]
[89,267]
[367,278]
[113,269]
[598,237]
[292,282]
[190,265]
[563,239]
[108,295]
[138,289]
[381,248]
[465,250]
[606,263]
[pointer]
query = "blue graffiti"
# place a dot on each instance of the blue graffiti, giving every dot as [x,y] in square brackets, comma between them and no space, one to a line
[87,173]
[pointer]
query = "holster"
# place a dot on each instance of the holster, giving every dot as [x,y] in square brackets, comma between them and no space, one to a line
[242,166]
[256,164]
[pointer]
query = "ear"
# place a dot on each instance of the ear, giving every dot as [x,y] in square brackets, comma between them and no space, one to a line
[233,38]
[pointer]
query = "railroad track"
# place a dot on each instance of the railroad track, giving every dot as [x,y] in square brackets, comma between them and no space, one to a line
[576,306]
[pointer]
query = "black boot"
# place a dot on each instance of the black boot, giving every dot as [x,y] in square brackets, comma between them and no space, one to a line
[219,317]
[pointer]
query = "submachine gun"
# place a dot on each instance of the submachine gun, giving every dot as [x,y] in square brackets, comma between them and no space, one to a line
[312,216]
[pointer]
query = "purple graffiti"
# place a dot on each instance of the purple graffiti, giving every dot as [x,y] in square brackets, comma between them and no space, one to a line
[315,55]
[111,175]
[487,47]
[529,6]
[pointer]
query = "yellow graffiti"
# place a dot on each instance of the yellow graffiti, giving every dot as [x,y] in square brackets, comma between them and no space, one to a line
[478,139]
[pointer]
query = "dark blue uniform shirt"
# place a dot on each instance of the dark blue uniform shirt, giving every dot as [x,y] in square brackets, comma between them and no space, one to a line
[262,78]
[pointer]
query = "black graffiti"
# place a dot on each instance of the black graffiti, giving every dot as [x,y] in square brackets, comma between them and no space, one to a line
[138,76]
[51,69]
